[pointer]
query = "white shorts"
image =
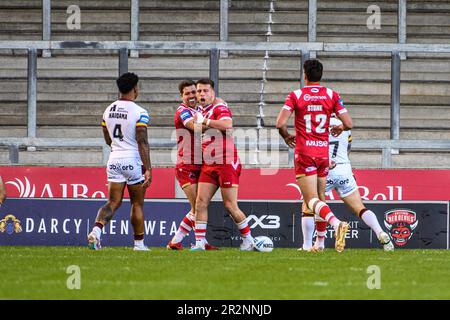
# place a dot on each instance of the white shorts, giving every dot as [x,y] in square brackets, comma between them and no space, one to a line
[127,170]
[341,178]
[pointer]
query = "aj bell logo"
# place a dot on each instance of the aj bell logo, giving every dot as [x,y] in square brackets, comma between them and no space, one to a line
[265,221]
[64,190]
[25,190]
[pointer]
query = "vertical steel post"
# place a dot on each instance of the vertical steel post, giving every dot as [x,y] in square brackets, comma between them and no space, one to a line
[134,25]
[312,24]
[214,68]
[123,61]
[304,57]
[224,20]
[395,95]
[32,92]
[402,9]
[46,25]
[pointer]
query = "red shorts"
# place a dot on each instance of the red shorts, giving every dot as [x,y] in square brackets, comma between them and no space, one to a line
[187,174]
[222,175]
[308,166]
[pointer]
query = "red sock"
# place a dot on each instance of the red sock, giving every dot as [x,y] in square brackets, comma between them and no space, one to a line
[244,228]
[186,224]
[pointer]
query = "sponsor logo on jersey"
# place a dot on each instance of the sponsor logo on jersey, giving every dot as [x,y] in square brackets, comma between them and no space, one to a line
[185,115]
[314,143]
[308,97]
[401,224]
[144,118]
[314,90]
[116,167]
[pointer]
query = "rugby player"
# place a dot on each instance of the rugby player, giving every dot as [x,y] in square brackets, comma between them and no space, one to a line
[189,158]
[221,166]
[313,105]
[340,178]
[125,130]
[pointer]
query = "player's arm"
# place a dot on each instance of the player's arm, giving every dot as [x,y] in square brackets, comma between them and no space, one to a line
[342,114]
[144,152]
[106,134]
[144,148]
[347,124]
[224,119]
[282,121]
[222,124]
[2,192]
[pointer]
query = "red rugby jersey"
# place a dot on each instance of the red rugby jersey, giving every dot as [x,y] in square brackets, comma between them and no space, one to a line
[313,106]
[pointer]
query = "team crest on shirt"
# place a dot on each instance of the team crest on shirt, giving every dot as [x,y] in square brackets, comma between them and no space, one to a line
[401,224]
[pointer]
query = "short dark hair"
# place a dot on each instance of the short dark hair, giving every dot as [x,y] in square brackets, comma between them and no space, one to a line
[313,70]
[127,82]
[205,81]
[185,83]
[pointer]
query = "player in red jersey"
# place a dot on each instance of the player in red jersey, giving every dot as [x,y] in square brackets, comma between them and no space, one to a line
[189,158]
[313,105]
[221,166]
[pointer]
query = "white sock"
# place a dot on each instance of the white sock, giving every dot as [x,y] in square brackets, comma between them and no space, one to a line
[308,226]
[97,231]
[184,228]
[371,220]
[200,233]
[138,243]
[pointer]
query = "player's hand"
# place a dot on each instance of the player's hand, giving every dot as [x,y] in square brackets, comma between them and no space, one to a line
[336,130]
[199,118]
[147,179]
[332,164]
[290,141]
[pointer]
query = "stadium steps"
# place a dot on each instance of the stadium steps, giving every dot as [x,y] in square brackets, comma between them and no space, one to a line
[198,20]
[75,86]
[164,158]
[167,132]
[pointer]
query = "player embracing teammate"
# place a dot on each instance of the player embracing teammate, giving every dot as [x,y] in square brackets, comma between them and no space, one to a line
[313,106]
[219,165]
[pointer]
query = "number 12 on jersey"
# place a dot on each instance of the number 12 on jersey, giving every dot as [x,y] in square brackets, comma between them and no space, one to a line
[319,118]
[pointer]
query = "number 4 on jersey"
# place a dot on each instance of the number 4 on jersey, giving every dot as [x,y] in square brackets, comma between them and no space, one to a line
[117,132]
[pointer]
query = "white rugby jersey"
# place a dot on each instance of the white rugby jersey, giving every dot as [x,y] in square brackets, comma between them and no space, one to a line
[339,146]
[121,119]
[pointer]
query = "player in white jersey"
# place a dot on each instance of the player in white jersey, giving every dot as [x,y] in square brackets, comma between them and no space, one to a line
[125,130]
[340,178]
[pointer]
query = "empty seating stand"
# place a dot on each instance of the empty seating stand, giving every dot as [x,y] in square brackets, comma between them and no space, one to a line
[75,86]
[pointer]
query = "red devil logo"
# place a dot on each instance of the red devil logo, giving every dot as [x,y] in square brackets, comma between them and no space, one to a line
[401,224]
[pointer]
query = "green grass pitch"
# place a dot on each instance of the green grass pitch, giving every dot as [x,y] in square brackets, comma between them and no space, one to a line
[120,273]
